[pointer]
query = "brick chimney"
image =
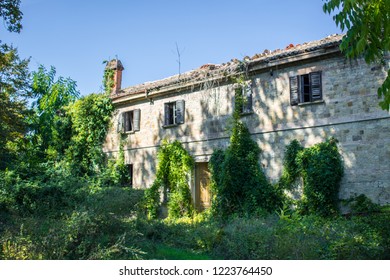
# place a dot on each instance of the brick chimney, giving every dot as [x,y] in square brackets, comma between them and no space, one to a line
[117,66]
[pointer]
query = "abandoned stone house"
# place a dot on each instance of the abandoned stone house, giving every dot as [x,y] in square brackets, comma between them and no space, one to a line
[307,92]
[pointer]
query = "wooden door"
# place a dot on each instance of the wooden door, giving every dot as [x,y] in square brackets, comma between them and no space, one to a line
[202,178]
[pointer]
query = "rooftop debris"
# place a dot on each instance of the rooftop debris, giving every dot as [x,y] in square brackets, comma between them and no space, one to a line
[235,66]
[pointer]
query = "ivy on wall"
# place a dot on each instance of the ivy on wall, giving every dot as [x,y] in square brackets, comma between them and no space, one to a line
[175,165]
[321,169]
[108,78]
[238,182]
[291,171]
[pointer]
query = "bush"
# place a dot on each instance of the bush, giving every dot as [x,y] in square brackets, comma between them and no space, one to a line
[245,239]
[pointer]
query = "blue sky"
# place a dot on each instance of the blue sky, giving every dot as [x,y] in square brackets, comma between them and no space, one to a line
[76,36]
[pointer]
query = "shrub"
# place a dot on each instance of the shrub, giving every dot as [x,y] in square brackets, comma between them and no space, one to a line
[245,239]
[361,204]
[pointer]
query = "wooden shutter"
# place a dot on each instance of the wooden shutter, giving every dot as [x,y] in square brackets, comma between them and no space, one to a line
[126,122]
[294,90]
[315,86]
[166,114]
[119,127]
[180,111]
[136,119]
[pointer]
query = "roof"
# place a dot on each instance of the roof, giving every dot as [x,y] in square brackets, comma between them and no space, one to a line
[233,67]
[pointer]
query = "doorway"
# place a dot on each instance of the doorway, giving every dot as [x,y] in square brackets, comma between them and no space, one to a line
[202,186]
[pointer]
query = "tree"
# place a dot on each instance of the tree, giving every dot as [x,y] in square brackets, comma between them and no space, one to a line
[14,89]
[14,81]
[51,125]
[11,14]
[368,33]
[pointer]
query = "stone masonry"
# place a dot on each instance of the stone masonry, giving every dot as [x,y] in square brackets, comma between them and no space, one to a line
[348,111]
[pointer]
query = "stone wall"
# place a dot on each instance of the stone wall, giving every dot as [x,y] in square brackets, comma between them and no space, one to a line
[349,112]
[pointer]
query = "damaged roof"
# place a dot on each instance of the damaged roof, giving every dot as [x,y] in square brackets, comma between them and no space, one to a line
[217,71]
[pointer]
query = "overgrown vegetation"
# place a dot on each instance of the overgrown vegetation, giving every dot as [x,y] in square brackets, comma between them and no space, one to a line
[239,184]
[321,169]
[60,198]
[172,182]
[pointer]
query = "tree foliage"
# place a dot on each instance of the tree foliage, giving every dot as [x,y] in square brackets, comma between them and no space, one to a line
[14,89]
[51,125]
[11,14]
[368,33]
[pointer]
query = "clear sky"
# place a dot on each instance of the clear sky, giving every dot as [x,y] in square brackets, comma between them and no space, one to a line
[76,36]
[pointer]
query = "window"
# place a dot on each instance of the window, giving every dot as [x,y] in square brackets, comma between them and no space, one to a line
[174,113]
[305,88]
[129,121]
[247,100]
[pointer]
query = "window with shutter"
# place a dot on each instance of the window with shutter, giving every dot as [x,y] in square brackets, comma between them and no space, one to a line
[305,88]
[129,121]
[174,113]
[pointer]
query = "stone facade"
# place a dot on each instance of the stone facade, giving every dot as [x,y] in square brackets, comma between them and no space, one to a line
[347,110]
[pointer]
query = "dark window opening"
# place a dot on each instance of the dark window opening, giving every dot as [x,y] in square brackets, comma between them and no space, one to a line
[130,174]
[305,88]
[128,121]
[171,113]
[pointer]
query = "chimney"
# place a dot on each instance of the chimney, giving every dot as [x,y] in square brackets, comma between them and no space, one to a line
[117,66]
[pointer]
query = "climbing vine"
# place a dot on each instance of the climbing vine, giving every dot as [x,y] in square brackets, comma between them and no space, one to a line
[291,171]
[321,169]
[91,116]
[108,78]
[172,181]
[238,181]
